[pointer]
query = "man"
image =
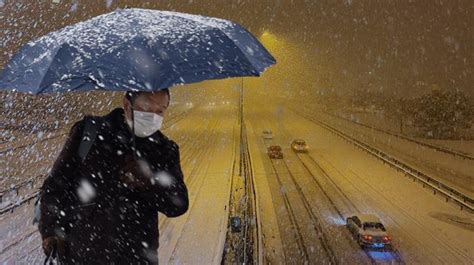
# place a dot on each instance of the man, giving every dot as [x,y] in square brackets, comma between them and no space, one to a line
[102,208]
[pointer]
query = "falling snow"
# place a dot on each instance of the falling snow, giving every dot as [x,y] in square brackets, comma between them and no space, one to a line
[86,191]
[356,82]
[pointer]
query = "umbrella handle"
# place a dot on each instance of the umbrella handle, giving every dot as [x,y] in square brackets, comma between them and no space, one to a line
[53,255]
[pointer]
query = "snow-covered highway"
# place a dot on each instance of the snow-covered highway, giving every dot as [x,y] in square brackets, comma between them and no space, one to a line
[302,199]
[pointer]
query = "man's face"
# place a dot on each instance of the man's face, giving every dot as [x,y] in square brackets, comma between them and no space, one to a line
[157,102]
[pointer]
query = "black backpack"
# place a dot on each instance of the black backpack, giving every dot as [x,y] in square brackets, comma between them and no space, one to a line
[89,133]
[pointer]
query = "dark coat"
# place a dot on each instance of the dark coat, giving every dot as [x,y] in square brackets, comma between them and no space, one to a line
[104,219]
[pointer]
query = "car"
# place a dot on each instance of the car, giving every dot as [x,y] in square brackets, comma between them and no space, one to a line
[299,146]
[369,231]
[267,134]
[275,152]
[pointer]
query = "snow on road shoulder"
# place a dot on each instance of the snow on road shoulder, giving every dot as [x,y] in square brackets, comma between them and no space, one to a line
[273,250]
[407,209]
[197,236]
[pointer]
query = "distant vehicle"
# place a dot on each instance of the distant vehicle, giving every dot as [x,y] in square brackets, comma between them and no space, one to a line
[275,152]
[369,231]
[299,146]
[267,134]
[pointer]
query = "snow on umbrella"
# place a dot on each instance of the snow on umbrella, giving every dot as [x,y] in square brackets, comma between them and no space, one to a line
[135,50]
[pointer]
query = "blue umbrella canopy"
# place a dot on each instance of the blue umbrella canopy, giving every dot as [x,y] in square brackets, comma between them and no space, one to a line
[135,50]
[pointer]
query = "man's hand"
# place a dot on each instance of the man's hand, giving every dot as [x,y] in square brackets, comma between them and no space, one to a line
[136,174]
[52,242]
[132,181]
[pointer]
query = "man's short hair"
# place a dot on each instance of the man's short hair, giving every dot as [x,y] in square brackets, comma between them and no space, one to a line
[132,95]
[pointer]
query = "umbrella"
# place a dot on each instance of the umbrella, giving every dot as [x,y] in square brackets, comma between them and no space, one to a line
[135,50]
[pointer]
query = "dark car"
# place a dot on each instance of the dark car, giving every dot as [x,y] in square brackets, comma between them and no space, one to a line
[275,152]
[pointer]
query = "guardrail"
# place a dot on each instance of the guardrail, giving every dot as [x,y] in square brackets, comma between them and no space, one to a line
[18,199]
[27,199]
[20,185]
[450,193]
[252,235]
[404,137]
[6,150]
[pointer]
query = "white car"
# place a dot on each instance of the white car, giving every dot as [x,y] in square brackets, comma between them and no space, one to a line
[369,231]
[267,134]
[299,146]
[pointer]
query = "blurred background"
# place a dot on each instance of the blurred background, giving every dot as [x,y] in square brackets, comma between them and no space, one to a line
[396,76]
[348,56]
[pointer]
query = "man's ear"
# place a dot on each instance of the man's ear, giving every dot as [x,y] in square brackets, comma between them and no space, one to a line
[126,105]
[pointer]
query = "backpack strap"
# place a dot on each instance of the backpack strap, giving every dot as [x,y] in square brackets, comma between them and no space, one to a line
[88,137]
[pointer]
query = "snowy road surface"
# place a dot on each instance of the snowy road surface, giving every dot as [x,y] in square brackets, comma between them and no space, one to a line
[452,170]
[303,199]
[425,228]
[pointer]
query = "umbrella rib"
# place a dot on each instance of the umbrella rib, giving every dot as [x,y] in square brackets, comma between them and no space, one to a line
[225,34]
[40,89]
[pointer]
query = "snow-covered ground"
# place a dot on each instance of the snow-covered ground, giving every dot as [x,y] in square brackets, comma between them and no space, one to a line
[466,146]
[451,170]
[198,236]
[425,228]
[380,121]
[299,205]
[389,123]
[302,199]
[207,138]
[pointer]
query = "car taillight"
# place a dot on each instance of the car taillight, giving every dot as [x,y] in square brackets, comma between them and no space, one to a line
[368,238]
[387,238]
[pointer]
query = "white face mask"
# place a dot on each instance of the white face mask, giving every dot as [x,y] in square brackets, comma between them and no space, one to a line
[146,123]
